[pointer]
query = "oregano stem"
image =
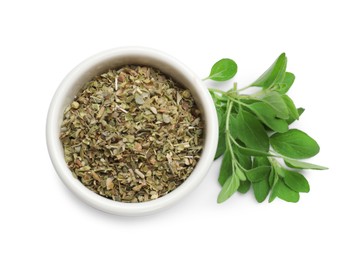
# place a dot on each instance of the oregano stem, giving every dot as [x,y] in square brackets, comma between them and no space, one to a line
[237,101]
[244,88]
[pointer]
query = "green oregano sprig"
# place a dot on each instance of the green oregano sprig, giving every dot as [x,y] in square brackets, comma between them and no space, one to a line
[258,147]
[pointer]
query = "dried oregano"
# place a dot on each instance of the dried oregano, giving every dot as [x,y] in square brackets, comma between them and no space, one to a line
[132,134]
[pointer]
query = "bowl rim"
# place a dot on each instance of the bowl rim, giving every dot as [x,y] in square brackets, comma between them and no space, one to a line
[55,149]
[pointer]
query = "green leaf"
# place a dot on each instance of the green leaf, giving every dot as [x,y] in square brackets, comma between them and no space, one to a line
[221,147]
[229,188]
[272,178]
[221,117]
[234,125]
[275,176]
[251,132]
[240,174]
[226,168]
[286,83]
[261,161]
[278,104]
[296,181]
[261,190]
[273,183]
[285,193]
[222,70]
[302,165]
[274,190]
[294,144]
[244,160]
[300,111]
[268,116]
[258,174]
[273,74]
[292,110]
[244,187]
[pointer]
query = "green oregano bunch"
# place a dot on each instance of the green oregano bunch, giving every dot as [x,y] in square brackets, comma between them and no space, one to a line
[258,146]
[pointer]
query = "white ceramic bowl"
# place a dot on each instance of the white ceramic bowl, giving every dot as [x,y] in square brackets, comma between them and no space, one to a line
[115,58]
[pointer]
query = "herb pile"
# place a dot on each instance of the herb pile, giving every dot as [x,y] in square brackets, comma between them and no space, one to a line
[132,134]
[258,146]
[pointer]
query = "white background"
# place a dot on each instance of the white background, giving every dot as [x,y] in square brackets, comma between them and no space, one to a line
[41,41]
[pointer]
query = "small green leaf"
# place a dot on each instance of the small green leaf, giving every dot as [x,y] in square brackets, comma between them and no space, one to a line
[234,125]
[268,116]
[286,83]
[274,190]
[221,117]
[221,147]
[296,181]
[294,144]
[278,104]
[244,187]
[292,110]
[261,161]
[275,176]
[261,190]
[285,193]
[244,160]
[273,74]
[300,111]
[226,168]
[251,132]
[302,165]
[240,174]
[223,70]
[258,174]
[229,188]
[272,178]
[273,183]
